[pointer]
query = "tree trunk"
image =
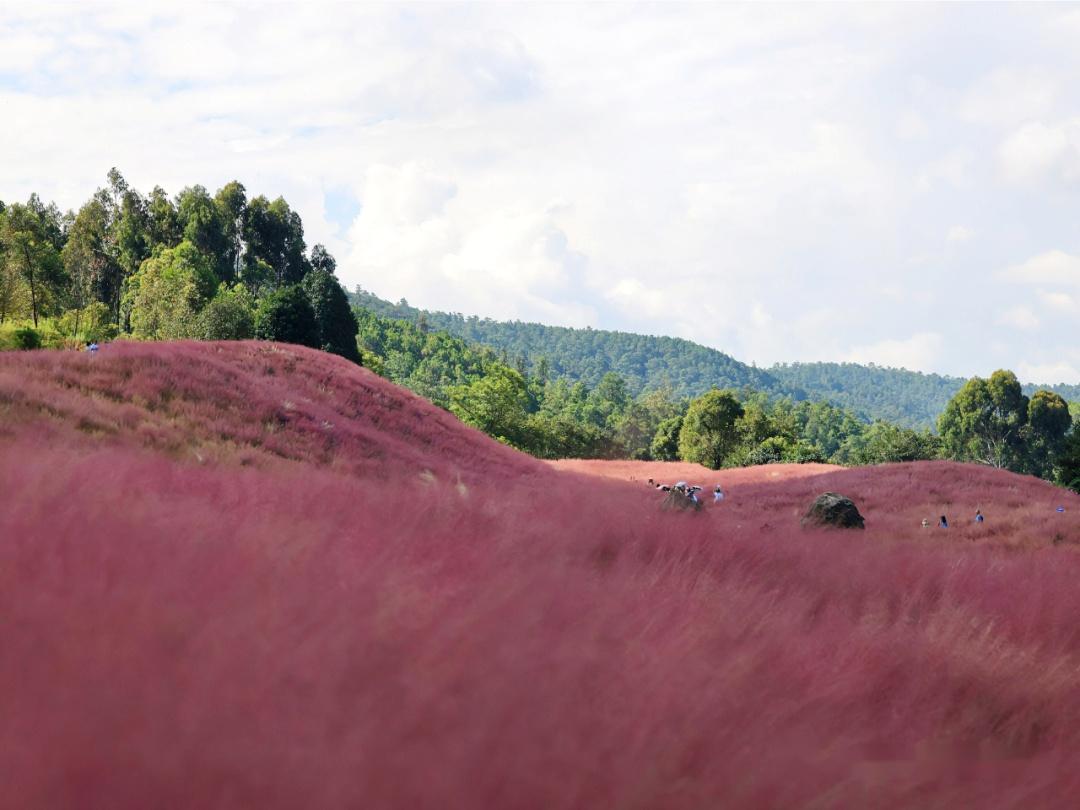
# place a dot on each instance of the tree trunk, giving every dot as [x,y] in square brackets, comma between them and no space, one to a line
[33,289]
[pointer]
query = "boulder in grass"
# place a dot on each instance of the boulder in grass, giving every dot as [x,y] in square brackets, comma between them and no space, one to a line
[678,500]
[837,511]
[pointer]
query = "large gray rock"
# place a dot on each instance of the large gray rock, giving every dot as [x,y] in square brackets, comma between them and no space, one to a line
[678,500]
[831,509]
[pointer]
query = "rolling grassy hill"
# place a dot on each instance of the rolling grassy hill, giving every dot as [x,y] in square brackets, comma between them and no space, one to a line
[258,575]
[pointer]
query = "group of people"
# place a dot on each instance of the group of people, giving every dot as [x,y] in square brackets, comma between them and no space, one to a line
[688,490]
[943,523]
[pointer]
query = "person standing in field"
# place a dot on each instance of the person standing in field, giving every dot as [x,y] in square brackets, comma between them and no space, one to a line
[943,523]
[978,516]
[717,494]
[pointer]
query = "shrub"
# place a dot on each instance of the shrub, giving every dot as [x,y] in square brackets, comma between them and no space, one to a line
[95,323]
[287,317]
[230,315]
[27,337]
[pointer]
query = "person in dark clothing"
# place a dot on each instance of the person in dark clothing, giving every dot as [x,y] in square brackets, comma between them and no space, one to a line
[943,523]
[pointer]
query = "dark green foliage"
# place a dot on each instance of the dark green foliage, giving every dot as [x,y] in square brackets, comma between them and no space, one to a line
[27,338]
[231,203]
[586,355]
[993,422]
[201,223]
[31,239]
[230,315]
[1067,461]
[906,398]
[1049,421]
[286,316]
[665,442]
[984,421]
[274,236]
[495,403]
[336,323]
[883,442]
[708,432]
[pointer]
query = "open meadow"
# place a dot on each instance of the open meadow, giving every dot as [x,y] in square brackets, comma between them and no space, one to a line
[252,574]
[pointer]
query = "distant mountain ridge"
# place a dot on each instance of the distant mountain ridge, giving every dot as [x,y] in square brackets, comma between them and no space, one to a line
[644,361]
[909,398]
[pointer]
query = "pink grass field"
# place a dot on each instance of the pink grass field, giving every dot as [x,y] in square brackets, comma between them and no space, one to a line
[252,575]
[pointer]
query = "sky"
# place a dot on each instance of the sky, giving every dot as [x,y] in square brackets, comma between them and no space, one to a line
[895,184]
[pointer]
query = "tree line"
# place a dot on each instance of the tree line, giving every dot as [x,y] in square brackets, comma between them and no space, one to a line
[525,404]
[907,398]
[212,267]
[226,266]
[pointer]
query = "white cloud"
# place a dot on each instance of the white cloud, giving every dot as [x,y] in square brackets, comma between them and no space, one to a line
[1049,373]
[952,170]
[912,126]
[1037,152]
[1010,95]
[19,50]
[920,351]
[959,233]
[711,171]
[1020,317]
[1059,301]
[1051,267]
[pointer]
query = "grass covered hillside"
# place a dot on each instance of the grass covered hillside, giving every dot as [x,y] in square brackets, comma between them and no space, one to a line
[240,403]
[257,575]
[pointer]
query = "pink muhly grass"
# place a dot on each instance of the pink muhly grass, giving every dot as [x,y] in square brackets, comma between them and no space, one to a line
[411,615]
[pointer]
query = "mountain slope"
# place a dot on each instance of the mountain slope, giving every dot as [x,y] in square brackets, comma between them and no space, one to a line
[908,398]
[644,361]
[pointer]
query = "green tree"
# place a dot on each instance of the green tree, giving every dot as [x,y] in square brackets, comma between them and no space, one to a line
[334,319]
[665,442]
[87,257]
[168,291]
[202,225]
[286,316]
[274,236]
[494,403]
[1048,423]
[230,315]
[130,226]
[883,442]
[1067,461]
[31,237]
[163,221]
[984,422]
[231,203]
[708,434]
[606,404]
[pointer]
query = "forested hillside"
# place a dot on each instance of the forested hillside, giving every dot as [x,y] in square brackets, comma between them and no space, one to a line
[907,398]
[586,355]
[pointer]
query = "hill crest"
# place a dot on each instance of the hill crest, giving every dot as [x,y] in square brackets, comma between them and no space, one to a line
[243,403]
